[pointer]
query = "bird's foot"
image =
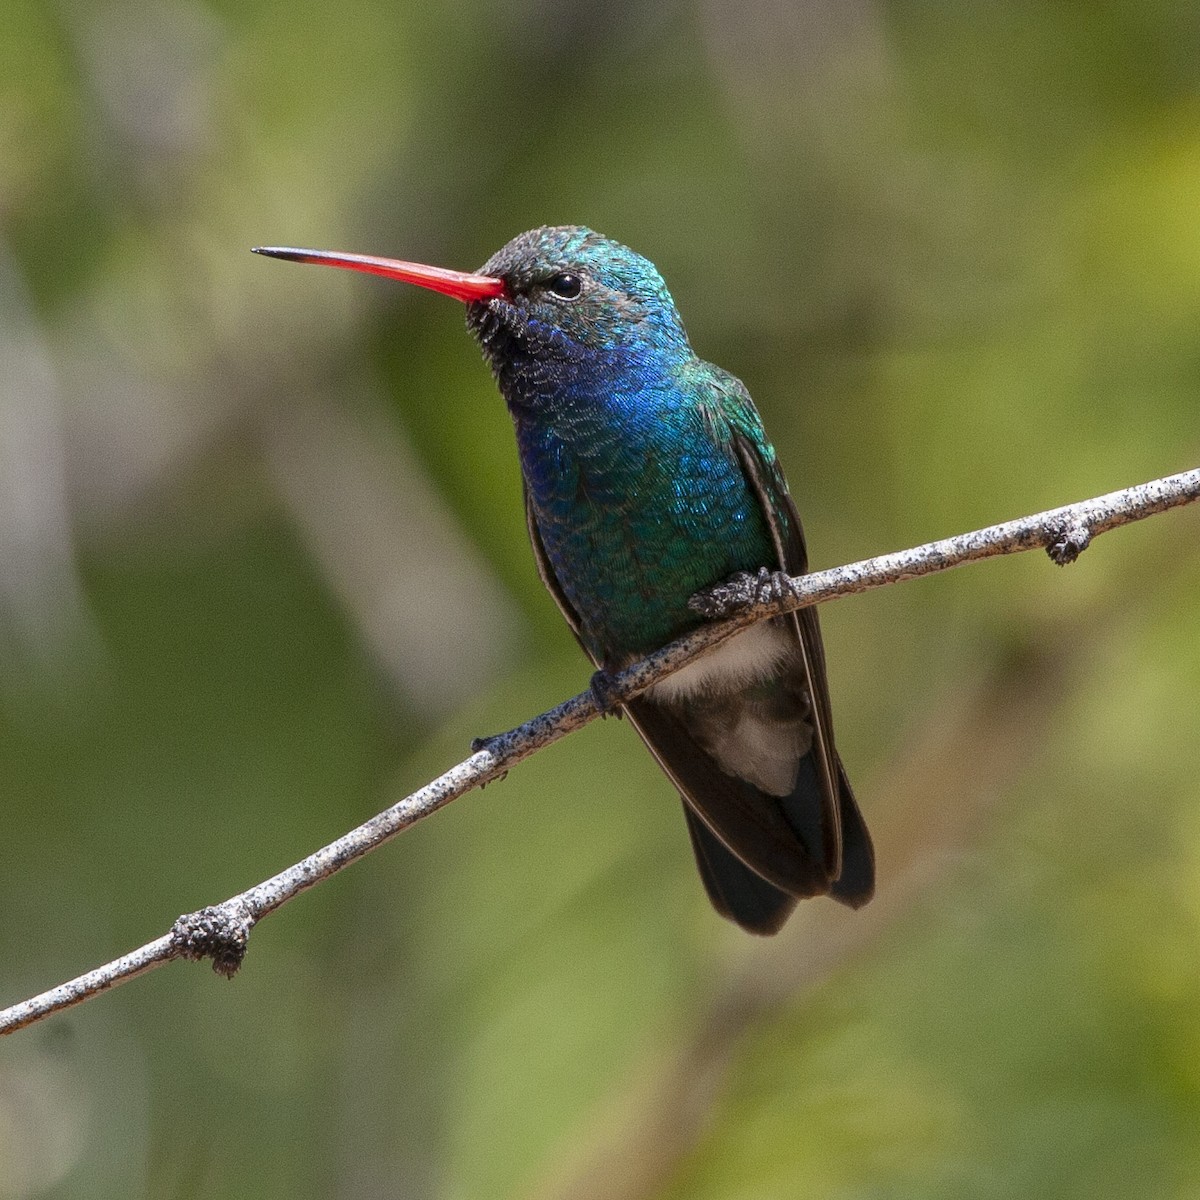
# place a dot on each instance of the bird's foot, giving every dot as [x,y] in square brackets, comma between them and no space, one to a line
[739,591]
[493,746]
[603,688]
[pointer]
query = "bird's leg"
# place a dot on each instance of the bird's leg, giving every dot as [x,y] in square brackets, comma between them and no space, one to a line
[603,689]
[491,745]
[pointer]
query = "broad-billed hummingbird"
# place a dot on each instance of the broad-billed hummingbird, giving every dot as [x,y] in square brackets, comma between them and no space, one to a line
[648,477]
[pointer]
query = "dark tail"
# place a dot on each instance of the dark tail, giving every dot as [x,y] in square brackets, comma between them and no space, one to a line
[736,892]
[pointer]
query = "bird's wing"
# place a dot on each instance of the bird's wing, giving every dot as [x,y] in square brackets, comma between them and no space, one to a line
[854,873]
[850,858]
[754,830]
[766,482]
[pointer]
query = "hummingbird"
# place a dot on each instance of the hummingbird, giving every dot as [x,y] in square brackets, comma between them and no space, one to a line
[648,477]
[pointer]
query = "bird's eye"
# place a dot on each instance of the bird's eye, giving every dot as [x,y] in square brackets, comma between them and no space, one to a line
[565,285]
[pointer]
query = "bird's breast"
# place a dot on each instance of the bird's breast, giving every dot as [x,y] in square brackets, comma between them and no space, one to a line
[635,514]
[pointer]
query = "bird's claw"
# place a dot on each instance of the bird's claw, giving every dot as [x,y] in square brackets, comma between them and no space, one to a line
[492,746]
[603,689]
[739,591]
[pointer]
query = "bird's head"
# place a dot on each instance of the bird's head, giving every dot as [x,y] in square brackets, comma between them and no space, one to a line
[572,292]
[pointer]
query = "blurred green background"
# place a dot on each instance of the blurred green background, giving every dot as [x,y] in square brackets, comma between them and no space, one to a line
[263,570]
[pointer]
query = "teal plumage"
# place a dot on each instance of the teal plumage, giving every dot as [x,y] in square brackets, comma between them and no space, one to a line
[625,444]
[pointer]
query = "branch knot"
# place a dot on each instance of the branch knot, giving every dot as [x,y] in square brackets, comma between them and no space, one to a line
[217,932]
[1069,540]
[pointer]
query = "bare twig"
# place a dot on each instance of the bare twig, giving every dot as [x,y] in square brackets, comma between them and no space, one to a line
[220,932]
